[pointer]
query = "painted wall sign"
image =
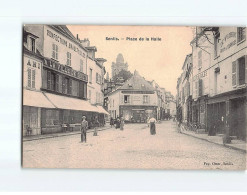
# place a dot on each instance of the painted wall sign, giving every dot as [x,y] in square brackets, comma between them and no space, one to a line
[65,43]
[228,41]
[200,75]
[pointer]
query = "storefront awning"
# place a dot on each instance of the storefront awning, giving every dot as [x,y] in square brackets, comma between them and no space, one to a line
[68,103]
[36,99]
[102,110]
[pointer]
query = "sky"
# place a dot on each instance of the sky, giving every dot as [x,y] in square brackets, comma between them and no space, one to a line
[161,61]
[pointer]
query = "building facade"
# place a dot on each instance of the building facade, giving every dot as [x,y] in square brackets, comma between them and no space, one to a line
[218,81]
[61,80]
[135,101]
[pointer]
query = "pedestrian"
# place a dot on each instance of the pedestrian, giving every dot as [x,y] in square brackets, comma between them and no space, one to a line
[121,123]
[152,122]
[84,126]
[111,122]
[117,123]
[148,120]
[96,125]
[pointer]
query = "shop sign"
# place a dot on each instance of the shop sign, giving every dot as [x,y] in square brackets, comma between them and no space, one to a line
[65,69]
[34,63]
[200,75]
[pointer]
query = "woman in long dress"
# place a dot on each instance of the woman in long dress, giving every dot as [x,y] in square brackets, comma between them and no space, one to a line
[152,122]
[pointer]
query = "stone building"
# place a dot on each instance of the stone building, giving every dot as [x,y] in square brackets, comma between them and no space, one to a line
[55,80]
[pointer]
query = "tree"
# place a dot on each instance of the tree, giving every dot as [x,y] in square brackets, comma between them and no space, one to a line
[122,74]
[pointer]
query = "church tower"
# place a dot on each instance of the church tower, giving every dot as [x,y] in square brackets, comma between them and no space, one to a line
[119,65]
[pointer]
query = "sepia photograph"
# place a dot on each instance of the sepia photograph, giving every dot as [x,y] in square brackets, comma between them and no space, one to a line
[134,97]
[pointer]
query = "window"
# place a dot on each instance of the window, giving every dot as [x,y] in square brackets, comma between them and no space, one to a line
[126,99]
[145,99]
[66,85]
[68,59]
[31,78]
[200,59]
[81,65]
[32,44]
[240,34]
[216,45]
[54,51]
[90,75]
[241,71]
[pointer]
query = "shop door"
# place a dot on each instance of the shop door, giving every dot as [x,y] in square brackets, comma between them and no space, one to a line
[238,117]
[222,118]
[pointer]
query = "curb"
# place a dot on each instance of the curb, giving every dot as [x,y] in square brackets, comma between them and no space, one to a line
[224,145]
[62,135]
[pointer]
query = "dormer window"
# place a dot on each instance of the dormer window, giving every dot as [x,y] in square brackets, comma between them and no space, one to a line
[32,44]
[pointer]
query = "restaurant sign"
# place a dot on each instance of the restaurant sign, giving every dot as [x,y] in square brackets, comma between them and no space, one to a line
[228,41]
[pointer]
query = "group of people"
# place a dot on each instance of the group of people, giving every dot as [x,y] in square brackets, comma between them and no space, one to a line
[118,123]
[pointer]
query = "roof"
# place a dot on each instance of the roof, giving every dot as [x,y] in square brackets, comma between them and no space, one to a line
[137,83]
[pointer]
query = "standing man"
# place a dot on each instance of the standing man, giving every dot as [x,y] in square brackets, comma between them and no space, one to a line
[96,126]
[84,126]
[152,122]
[121,123]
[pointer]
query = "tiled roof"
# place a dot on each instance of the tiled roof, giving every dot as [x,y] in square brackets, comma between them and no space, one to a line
[138,83]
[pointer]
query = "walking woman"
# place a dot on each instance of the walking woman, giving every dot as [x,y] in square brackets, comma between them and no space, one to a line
[152,122]
[121,123]
[84,126]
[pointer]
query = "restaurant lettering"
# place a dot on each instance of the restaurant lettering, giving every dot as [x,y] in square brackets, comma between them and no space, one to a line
[228,41]
[200,75]
[64,42]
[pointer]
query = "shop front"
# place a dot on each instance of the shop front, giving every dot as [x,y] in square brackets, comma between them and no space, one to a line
[234,124]
[137,114]
[199,112]
[33,103]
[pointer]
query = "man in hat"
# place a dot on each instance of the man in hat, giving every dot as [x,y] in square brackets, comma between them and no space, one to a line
[84,126]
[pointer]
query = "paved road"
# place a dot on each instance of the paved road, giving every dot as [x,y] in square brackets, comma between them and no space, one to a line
[133,148]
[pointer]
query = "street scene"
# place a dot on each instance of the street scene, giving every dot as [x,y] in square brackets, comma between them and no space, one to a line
[134,97]
[132,148]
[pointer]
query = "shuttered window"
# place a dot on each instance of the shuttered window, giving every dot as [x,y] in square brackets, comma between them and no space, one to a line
[33,78]
[200,87]
[54,51]
[81,65]
[29,75]
[241,64]
[48,79]
[234,73]
[241,33]
[68,58]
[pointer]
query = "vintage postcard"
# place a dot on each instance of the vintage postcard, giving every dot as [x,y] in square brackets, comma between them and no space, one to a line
[134,97]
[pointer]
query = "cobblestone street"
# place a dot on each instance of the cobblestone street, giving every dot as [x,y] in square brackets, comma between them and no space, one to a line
[133,148]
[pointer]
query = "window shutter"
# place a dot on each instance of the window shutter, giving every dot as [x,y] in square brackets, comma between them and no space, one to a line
[44,79]
[29,77]
[57,82]
[200,87]
[53,50]
[56,52]
[63,84]
[234,73]
[48,79]
[70,86]
[33,78]
[80,89]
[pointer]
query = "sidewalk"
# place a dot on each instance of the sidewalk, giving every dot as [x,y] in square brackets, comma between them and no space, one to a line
[46,136]
[218,139]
